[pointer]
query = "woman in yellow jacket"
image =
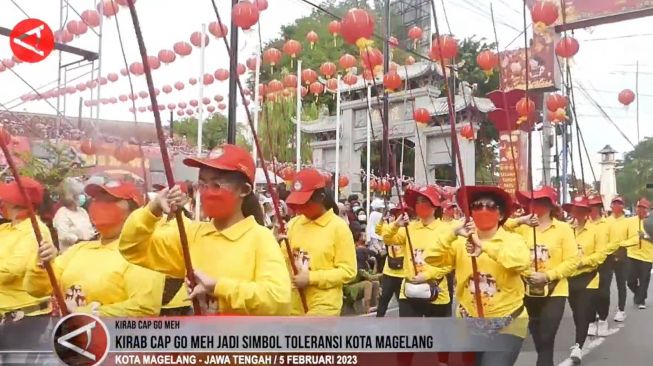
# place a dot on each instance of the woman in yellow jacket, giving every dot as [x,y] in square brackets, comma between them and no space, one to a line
[501,257]
[584,281]
[322,244]
[239,268]
[17,247]
[93,275]
[554,259]
[640,255]
[393,271]
[424,291]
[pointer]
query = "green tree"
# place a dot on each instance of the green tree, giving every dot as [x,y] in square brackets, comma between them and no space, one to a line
[636,172]
[57,163]
[214,131]
[277,130]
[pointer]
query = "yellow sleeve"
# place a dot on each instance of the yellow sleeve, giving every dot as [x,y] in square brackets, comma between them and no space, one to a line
[344,260]
[570,258]
[600,253]
[36,281]
[513,254]
[145,243]
[270,291]
[511,225]
[633,234]
[15,266]
[378,229]
[436,272]
[392,235]
[144,289]
[442,253]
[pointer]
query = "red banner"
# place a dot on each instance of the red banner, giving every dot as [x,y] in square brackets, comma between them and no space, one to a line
[579,10]
[513,154]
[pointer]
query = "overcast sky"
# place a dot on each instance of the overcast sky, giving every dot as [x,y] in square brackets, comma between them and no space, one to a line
[605,63]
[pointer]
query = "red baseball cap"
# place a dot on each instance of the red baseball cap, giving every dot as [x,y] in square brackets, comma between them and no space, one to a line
[431,192]
[548,192]
[305,182]
[448,204]
[617,199]
[472,193]
[227,157]
[595,200]
[643,202]
[117,189]
[580,201]
[10,193]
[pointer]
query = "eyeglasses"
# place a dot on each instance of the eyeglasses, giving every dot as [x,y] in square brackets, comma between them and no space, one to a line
[479,205]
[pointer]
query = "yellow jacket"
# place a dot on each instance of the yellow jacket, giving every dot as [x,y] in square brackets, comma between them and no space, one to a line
[17,248]
[423,238]
[104,276]
[244,260]
[557,252]
[180,298]
[394,251]
[617,230]
[591,251]
[325,247]
[638,245]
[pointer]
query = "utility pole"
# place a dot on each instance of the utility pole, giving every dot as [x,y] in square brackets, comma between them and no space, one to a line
[385,143]
[233,75]
[637,96]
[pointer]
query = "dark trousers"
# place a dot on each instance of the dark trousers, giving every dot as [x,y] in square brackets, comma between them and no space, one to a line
[603,296]
[389,286]
[621,275]
[412,308]
[451,278]
[639,276]
[545,314]
[582,303]
[507,357]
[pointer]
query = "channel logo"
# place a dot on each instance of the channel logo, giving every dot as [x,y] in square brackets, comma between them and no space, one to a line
[31,40]
[81,340]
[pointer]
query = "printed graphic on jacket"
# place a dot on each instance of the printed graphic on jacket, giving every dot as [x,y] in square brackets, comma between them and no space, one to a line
[581,252]
[418,254]
[302,259]
[487,286]
[542,257]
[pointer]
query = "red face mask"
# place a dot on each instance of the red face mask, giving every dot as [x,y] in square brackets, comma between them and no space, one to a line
[617,209]
[595,213]
[486,219]
[311,210]
[218,203]
[540,210]
[449,212]
[107,216]
[424,210]
[579,214]
[642,212]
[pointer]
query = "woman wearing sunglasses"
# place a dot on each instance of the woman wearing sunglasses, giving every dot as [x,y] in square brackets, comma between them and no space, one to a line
[501,257]
[584,282]
[93,275]
[322,244]
[554,258]
[239,268]
[424,290]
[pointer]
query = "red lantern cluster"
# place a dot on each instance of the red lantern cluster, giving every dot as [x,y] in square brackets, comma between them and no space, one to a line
[556,105]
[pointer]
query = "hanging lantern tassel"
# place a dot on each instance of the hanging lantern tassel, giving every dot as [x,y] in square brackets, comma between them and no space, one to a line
[363,43]
[560,115]
[335,40]
[540,28]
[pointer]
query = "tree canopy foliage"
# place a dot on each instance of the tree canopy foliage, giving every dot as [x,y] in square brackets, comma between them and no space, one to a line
[214,131]
[635,172]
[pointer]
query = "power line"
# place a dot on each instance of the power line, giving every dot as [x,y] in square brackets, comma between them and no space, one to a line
[21,9]
[616,37]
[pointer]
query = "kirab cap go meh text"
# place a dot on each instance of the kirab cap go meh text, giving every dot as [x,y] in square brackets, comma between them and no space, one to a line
[227,157]
[120,190]
[306,181]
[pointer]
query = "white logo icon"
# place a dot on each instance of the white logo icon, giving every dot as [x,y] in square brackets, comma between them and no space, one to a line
[34,31]
[63,340]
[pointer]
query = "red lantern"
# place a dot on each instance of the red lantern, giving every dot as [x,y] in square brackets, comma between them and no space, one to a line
[347,61]
[210,109]
[332,84]
[218,30]
[222,106]
[251,63]
[154,62]
[179,85]
[371,58]
[444,47]
[385,186]
[167,56]
[8,63]
[167,89]
[136,68]
[77,27]
[206,101]
[172,106]
[180,113]
[218,98]
[487,61]
[271,56]
[309,76]
[357,27]
[124,153]
[112,77]
[394,42]
[91,18]
[626,97]
[261,4]
[123,98]
[182,105]
[525,108]
[544,12]
[245,14]
[5,136]
[133,96]
[124,72]
[374,185]
[189,112]
[328,69]
[367,75]
[274,86]
[221,74]
[567,47]
[108,8]
[292,48]
[555,101]
[391,81]
[207,79]
[350,79]
[113,100]
[415,33]
[343,181]
[421,115]
[410,60]
[334,28]
[304,91]
[312,38]
[290,81]
[80,87]
[467,131]
[88,147]
[63,36]
[192,81]
[316,88]
[124,2]
[240,69]
[193,103]
[196,39]
[143,94]
[182,48]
